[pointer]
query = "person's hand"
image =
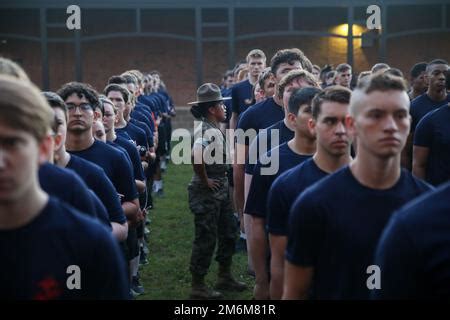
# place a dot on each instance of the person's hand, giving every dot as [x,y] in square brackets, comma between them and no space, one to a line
[213,184]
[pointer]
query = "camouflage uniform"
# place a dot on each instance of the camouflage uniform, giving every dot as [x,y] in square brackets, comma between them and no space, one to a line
[213,213]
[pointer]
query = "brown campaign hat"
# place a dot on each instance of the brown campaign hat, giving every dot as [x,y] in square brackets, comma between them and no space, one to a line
[208,92]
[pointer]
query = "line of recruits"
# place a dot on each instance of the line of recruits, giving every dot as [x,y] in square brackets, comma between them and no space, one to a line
[351,198]
[77,172]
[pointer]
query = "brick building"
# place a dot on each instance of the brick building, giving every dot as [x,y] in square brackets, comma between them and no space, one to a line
[195,41]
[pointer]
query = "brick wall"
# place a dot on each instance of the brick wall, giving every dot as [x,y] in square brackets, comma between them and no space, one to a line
[175,59]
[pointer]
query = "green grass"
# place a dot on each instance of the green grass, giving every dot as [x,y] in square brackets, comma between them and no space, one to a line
[167,275]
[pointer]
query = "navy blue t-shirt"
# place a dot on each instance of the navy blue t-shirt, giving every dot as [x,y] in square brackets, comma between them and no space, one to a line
[35,258]
[68,187]
[260,116]
[433,132]
[136,134]
[133,155]
[96,179]
[284,135]
[414,250]
[285,189]
[149,101]
[256,204]
[241,94]
[421,105]
[148,132]
[335,225]
[116,167]
[143,116]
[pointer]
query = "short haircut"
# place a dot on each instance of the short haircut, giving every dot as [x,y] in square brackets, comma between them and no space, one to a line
[300,97]
[417,69]
[343,67]
[116,87]
[380,81]
[379,66]
[23,107]
[80,89]
[130,78]
[255,53]
[289,56]
[104,100]
[337,94]
[266,74]
[323,73]
[139,75]
[293,75]
[331,74]
[395,72]
[117,80]
[315,66]
[55,101]
[436,62]
[362,75]
[228,73]
[11,68]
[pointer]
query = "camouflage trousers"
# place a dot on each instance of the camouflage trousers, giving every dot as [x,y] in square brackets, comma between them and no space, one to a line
[214,224]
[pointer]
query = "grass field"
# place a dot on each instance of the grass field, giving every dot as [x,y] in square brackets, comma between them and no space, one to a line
[172,231]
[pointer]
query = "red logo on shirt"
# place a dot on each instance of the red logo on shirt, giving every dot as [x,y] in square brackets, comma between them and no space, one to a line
[49,289]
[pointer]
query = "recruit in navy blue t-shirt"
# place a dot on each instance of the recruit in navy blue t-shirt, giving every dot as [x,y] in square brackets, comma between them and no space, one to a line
[241,96]
[335,225]
[256,204]
[265,136]
[285,189]
[96,179]
[68,187]
[116,167]
[414,250]
[421,105]
[433,132]
[260,116]
[38,258]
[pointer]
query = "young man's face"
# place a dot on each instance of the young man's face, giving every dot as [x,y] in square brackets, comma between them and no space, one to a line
[60,135]
[419,83]
[229,81]
[269,87]
[284,68]
[330,128]
[80,116]
[109,117]
[256,66]
[20,155]
[344,78]
[98,131]
[117,98]
[316,73]
[301,121]
[382,125]
[258,93]
[436,76]
[297,83]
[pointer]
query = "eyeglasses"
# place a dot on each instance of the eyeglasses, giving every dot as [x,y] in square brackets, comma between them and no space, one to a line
[83,107]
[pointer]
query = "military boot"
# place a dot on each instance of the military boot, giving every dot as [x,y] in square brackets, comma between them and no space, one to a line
[225,280]
[201,291]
